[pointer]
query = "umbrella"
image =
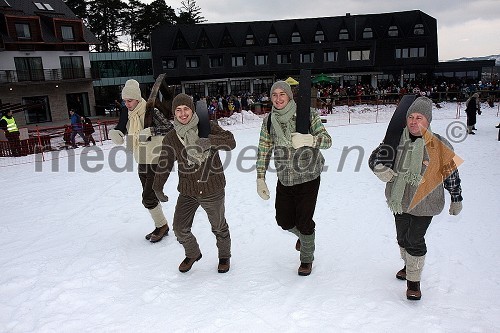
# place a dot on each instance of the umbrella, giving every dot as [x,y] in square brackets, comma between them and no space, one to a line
[291,81]
[322,78]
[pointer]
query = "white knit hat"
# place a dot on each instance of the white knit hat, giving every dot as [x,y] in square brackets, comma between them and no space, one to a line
[131,90]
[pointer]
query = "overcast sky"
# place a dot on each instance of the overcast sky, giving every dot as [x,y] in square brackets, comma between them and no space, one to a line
[465,28]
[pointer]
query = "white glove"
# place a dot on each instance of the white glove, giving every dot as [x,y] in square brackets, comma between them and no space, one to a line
[262,189]
[144,135]
[384,173]
[301,140]
[116,136]
[455,208]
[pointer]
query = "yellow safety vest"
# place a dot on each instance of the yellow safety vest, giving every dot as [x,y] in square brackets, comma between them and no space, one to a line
[11,124]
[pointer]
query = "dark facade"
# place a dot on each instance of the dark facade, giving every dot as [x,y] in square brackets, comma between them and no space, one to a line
[373,49]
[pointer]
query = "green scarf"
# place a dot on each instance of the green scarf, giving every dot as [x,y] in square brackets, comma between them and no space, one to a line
[408,169]
[188,134]
[283,124]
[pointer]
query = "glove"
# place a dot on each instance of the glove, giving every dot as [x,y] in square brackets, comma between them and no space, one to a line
[204,143]
[161,196]
[301,140]
[384,173]
[262,189]
[116,136]
[145,135]
[455,208]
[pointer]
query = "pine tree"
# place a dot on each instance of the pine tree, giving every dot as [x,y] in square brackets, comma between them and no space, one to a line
[190,13]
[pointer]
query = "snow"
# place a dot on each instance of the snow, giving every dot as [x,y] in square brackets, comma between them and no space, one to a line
[73,257]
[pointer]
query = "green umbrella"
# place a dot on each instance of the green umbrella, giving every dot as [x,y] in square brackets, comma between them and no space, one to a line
[322,78]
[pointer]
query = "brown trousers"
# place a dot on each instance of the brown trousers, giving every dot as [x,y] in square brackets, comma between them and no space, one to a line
[214,206]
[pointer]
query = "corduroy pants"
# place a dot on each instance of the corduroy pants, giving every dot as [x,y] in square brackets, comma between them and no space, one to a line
[295,206]
[214,206]
[147,176]
[410,233]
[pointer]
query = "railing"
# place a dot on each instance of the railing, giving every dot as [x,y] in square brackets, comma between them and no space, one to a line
[41,75]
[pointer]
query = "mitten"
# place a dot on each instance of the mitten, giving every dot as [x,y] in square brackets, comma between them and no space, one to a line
[116,136]
[384,173]
[145,135]
[262,189]
[161,196]
[455,208]
[203,143]
[301,140]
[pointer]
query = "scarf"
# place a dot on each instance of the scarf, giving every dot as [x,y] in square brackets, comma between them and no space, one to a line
[188,134]
[283,124]
[136,122]
[408,169]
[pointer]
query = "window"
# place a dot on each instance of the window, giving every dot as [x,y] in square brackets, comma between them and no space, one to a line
[204,42]
[343,34]
[29,69]
[319,37]
[261,59]
[357,55]
[273,39]
[23,31]
[284,58]
[238,60]
[410,52]
[67,33]
[169,63]
[72,67]
[367,33]
[215,61]
[37,110]
[330,56]
[192,62]
[295,37]
[418,29]
[249,40]
[43,6]
[393,31]
[307,57]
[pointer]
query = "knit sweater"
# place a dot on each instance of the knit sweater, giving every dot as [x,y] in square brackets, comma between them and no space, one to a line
[194,180]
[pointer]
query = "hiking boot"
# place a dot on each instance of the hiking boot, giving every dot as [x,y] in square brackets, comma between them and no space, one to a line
[401,275]
[305,268]
[148,236]
[413,290]
[187,263]
[223,265]
[297,245]
[158,234]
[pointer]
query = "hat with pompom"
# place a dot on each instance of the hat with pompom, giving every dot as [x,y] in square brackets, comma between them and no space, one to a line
[131,90]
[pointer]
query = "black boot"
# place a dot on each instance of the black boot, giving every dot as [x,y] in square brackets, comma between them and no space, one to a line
[413,290]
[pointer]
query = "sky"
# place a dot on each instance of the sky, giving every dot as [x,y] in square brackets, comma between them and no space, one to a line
[73,257]
[465,28]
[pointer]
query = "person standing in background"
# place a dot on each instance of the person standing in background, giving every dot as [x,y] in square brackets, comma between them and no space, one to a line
[8,124]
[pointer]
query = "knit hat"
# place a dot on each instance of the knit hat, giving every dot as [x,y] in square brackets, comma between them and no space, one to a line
[283,86]
[182,99]
[422,105]
[131,90]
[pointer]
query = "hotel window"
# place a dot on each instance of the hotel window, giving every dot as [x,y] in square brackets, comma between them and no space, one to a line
[358,55]
[67,33]
[273,39]
[295,37]
[412,52]
[307,57]
[319,37]
[261,59]
[72,67]
[249,40]
[418,29]
[330,56]
[368,33]
[284,58]
[29,69]
[343,34]
[215,61]
[192,62]
[168,64]
[393,31]
[23,31]
[238,61]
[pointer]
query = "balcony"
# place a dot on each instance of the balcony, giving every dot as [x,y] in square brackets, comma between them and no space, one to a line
[43,75]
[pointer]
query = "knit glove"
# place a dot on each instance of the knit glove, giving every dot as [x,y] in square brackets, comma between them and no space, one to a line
[161,196]
[262,189]
[384,173]
[145,135]
[301,140]
[203,143]
[116,136]
[455,208]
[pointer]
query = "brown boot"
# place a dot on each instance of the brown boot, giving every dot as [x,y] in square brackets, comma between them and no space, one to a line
[223,265]
[305,268]
[297,245]
[148,236]
[401,274]
[158,234]
[187,263]
[413,290]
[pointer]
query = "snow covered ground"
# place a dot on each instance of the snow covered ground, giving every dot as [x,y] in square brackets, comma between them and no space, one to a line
[73,257]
